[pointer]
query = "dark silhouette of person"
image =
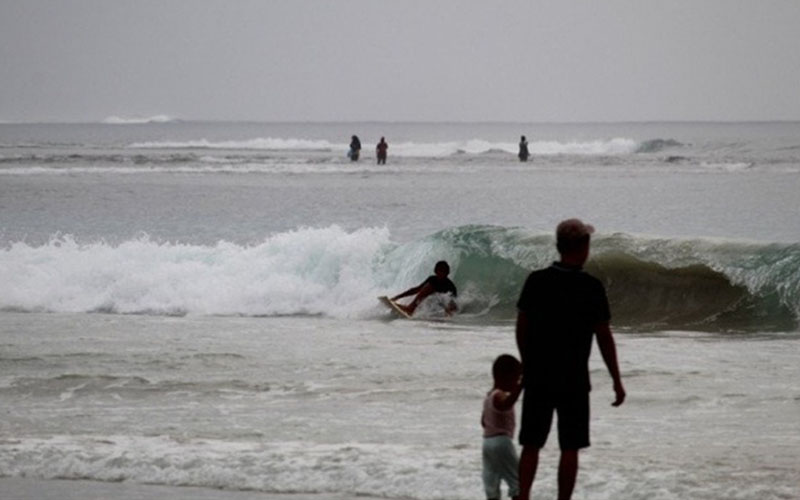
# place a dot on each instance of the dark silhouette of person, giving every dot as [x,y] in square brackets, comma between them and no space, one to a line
[355,148]
[523,149]
[436,283]
[560,309]
[380,151]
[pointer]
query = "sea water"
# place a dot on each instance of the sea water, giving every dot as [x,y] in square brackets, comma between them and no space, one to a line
[195,303]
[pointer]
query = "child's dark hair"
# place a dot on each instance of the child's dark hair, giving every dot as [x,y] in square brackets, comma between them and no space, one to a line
[505,364]
[443,266]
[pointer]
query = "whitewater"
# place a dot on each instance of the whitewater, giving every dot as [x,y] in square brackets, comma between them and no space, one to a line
[194,304]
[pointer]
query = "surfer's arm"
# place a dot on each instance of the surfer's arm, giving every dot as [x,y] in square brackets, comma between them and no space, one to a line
[608,349]
[409,292]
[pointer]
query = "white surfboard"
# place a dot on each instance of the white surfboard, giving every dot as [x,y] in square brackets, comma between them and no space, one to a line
[394,306]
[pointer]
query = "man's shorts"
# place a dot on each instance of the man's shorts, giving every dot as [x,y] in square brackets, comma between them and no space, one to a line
[537,417]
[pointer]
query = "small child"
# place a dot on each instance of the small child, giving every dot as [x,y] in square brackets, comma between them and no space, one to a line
[499,456]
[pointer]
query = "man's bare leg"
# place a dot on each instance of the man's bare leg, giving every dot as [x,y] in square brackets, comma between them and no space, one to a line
[528,462]
[567,472]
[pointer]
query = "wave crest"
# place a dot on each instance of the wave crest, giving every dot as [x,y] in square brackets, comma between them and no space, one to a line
[656,145]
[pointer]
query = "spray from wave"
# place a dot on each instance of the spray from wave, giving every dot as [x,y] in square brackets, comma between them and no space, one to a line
[653,284]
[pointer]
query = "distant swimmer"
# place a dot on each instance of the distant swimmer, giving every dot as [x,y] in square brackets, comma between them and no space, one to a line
[380,150]
[436,283]
[523,149]
[355,149]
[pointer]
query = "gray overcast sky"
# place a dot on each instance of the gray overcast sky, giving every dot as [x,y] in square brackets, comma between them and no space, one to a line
[434,60]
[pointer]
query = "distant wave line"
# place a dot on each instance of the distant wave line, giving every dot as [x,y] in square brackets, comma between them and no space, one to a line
[137,120]
[615,146]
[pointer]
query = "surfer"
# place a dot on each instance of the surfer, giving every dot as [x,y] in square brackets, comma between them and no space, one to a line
[523,149]
[355,148]
[380,151]
[560,309]
[436,283]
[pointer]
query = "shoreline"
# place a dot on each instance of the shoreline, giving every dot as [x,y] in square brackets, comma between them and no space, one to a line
[22,488]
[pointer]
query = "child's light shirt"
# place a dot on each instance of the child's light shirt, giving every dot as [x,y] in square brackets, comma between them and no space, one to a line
[497,422]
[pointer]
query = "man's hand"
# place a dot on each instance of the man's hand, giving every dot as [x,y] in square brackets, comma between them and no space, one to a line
[620,394]
[605,340]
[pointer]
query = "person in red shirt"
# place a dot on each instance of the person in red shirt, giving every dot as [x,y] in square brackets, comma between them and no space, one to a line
[381,151]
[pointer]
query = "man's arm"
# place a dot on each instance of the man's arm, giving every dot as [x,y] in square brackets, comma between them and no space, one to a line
[608,349]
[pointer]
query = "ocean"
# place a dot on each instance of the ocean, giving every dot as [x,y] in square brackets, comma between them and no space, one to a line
[193,304]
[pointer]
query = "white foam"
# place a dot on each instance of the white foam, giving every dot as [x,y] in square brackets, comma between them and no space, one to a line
[410,148]
[266,143]
[597,147]
[279,467]
[137,120]
[307,271]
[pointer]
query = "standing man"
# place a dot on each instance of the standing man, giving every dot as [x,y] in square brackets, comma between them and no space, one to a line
[523,149]
[560,309]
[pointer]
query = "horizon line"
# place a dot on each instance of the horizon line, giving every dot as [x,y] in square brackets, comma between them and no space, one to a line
[135,121]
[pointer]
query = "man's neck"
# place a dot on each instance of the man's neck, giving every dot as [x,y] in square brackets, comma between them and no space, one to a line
[572,262]
[574,259]
[566,265]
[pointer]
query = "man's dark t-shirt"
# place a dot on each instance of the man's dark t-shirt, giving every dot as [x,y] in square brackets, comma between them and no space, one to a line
[562,305]
[443,285]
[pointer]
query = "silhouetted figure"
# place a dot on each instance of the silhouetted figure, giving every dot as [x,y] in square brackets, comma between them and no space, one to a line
[380,151]
[437,283]
[523,149]
[560,309]
[355,149]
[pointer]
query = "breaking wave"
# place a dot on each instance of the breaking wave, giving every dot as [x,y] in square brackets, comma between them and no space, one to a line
[653,284]
[656,145]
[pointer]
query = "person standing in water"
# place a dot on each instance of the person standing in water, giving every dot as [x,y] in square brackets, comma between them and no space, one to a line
[560,310]
[380,151]
[523,149]
[355,148]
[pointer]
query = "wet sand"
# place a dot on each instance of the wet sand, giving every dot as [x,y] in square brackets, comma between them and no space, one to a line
[42,489]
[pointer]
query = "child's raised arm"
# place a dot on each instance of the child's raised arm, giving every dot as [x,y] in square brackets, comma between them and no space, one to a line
[504,400]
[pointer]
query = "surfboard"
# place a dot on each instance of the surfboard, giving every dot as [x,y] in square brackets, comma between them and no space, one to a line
[394,306]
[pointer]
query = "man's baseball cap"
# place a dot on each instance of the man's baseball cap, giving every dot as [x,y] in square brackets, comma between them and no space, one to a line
[573,229]
[572,234]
